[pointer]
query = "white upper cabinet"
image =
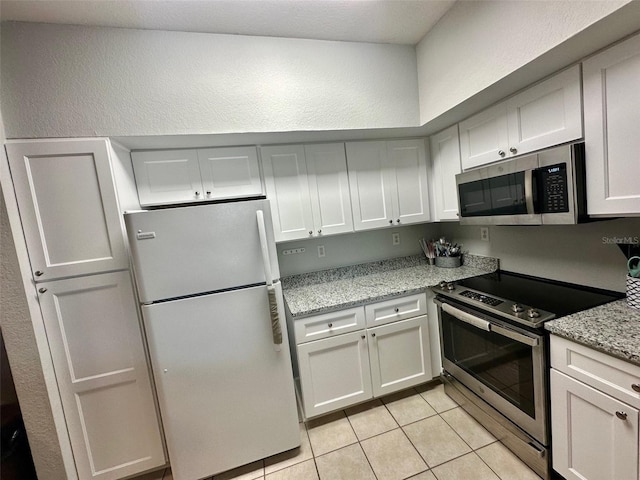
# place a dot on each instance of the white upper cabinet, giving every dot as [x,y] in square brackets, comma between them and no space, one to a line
[68,206]
[165,177]
[445,158]
[547,114]
[308,189]
[611,119]
[229,172]
[100,365]
[329,188]
[388,183]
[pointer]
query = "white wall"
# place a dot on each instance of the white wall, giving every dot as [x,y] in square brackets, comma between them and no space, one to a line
[478,43]
[353,248]
[570,253]
[68,81]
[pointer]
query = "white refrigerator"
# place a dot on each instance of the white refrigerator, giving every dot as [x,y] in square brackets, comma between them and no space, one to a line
[205,277]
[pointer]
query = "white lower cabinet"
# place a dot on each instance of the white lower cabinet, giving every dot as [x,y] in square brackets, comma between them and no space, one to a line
[339,369]
[99,359]
[594,416]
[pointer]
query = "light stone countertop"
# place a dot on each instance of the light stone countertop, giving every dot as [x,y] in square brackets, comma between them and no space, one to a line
[613,328]
[345,287]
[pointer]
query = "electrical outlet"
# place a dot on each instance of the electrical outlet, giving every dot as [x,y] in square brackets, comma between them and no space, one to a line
[484,234]
[320,251]
[293,251]
[395,238]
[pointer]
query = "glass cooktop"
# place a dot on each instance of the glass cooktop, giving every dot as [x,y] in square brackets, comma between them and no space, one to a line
[559,298]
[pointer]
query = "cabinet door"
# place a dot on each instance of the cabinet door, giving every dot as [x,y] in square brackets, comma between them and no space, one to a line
[547,114]
[370,184]
[229,172]
[409,183]
[399,355]
[285,178]
[590,441]
[484,137]
[334,373]
[445,158]
[329,188]
[611,119]
[167,176]
[68,207]
[100,364]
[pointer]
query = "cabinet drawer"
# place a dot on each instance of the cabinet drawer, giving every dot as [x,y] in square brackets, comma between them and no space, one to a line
[329,324]
[599,370]
[396,309]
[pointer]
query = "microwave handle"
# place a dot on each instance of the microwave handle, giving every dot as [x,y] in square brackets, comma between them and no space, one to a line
[466,317]
[528,191]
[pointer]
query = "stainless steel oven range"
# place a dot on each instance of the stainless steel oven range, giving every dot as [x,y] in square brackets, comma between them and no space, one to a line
[495,353]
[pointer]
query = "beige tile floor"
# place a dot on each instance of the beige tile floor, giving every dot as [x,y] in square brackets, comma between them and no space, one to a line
[418,434]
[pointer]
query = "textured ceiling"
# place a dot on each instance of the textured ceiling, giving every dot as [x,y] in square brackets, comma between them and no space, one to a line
[378,21]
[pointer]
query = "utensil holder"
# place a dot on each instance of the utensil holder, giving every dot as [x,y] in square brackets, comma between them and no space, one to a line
[633,292]
[448,262]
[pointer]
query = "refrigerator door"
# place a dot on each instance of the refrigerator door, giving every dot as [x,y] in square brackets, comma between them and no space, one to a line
[226,395]
[205,248]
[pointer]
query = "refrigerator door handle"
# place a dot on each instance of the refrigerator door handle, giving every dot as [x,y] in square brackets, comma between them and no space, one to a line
[262,232]
[274,308]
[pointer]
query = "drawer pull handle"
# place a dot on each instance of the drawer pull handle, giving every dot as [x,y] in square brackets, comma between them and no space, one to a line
[636,387]
[330,325]
[397,310]
[621,415]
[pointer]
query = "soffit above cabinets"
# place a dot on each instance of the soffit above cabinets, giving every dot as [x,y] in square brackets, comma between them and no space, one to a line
[376,21]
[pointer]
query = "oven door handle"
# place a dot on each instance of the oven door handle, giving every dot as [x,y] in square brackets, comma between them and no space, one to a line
[490,327]
[518,337]
[466,317]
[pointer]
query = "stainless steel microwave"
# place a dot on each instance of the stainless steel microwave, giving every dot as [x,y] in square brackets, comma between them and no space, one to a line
[547,187]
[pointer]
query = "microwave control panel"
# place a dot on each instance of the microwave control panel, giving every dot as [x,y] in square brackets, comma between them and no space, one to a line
[552,188]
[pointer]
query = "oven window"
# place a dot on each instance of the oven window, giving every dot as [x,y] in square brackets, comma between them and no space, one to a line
[502,364]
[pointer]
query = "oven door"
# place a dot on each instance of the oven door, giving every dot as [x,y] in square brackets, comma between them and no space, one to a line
[501,363]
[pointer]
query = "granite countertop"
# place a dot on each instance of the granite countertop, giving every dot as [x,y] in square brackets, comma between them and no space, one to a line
[345,287]
[613,328]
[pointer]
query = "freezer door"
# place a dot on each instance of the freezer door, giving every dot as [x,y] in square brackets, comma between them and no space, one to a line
[226,395]
[205,248]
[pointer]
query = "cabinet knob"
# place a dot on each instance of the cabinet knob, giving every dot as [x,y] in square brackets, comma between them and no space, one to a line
[398,220]
[310,232]
[621,415]
[42,290]
[501,153]
[197,194]
[373,334]
[513,150]
[319,232]
[208,192]
[636,387]
[362,337]
[38,273]
[391,221]
[330,325]
[397,310]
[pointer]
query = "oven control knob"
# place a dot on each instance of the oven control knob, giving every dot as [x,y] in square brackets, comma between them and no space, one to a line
[533,313]
[451,286]
[443,284]
[516,308]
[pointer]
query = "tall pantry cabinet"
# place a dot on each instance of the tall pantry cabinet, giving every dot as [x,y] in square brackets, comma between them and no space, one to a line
[76,244]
